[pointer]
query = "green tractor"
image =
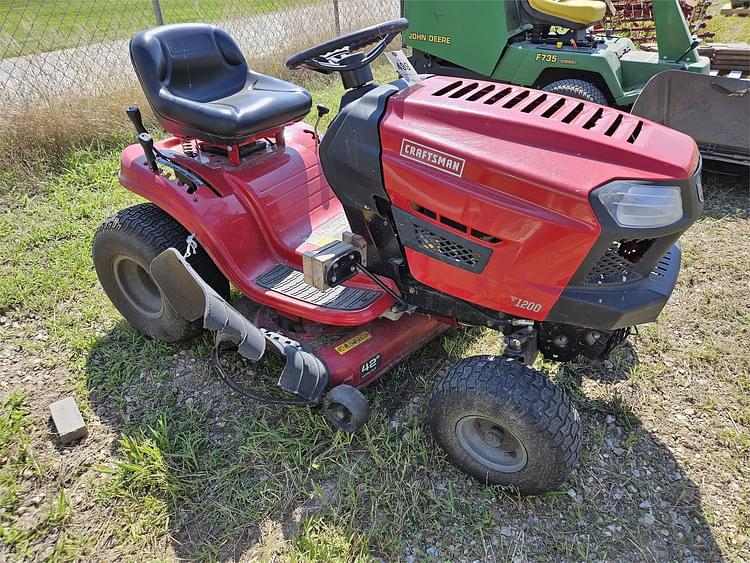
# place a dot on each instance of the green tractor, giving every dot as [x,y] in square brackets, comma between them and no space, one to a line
[550,45]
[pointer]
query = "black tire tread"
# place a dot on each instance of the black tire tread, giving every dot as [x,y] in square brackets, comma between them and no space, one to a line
[576,88]
[157,230]
[515,384]
[160,231]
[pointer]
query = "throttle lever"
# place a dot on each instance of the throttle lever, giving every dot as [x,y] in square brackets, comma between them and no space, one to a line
[134,114]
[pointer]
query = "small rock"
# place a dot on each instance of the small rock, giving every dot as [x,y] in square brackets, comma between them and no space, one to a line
[618,451]
[684,523]
[189,401]
[410,559]
[647,519]
[506,531]
[68,420]
[645,505]
[610,419]
[432,551]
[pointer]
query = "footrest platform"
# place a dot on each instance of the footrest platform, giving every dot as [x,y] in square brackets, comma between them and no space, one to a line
[290,282]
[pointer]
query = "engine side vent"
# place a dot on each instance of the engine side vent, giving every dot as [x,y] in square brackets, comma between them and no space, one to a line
[452,86]
[573,113]
[455,224]
[481,93]
[615,125]
[593,119]
[430,240]
[601,120]
[465,90]
[498,96]
[439,243]
[534,103]
[636,132]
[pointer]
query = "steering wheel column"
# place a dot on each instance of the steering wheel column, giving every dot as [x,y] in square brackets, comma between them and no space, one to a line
[343,54]
[358,76]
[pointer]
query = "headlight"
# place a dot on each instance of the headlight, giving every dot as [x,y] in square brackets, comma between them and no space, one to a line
[642,205]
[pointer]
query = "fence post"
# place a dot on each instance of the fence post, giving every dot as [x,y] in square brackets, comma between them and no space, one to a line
[157,12]
[335,15]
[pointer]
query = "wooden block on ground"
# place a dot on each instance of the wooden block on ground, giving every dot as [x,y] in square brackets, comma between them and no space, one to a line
[727,10]
[68,420]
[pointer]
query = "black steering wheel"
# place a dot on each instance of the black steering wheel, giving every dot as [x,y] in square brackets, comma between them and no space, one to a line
[340,54]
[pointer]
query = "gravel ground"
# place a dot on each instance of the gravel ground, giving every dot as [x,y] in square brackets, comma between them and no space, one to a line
[176,466]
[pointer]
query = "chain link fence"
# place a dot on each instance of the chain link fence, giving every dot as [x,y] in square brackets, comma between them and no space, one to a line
[53,49]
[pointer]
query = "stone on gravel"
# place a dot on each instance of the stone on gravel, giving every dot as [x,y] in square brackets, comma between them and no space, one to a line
[432,551]
[68,420]
[647,519]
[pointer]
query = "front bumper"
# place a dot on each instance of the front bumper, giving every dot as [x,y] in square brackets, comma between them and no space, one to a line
[624,305]
[630,273]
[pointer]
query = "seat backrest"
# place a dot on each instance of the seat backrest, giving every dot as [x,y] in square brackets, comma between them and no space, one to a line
[199,62]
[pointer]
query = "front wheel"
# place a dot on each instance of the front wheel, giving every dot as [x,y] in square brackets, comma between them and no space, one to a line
[505,423]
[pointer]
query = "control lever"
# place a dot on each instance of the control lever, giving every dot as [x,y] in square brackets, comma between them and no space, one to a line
[322,110]
[147,144]
[134,114]
[693,45]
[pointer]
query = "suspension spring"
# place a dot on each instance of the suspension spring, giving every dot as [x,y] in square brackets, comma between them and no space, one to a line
[188,147]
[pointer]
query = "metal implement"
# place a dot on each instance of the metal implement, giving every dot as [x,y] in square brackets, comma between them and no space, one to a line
[714,110]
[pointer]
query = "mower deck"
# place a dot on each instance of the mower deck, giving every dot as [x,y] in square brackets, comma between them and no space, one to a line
[357,356]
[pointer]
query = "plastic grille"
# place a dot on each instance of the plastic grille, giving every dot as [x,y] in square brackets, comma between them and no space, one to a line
[617,263]
[432,241]
[662,266]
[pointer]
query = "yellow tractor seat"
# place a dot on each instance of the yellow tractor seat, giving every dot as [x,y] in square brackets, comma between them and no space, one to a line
[574,14]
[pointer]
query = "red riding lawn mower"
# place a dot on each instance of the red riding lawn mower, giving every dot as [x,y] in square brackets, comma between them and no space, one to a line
[423,206]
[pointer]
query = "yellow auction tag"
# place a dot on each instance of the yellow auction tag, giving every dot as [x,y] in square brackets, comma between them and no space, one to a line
[353,342]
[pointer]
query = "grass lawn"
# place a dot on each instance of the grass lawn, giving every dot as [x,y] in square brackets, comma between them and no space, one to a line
[178,467]
[47,25]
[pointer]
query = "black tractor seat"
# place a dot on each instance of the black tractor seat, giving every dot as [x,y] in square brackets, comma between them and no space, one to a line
[200,86]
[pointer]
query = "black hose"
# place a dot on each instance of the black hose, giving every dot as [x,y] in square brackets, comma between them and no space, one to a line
[216,363]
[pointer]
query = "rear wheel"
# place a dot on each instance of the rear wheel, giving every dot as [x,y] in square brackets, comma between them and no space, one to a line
[123,248]
[576,88]
[505,423]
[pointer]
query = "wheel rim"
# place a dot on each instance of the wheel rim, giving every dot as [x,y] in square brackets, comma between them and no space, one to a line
[137,285]
[491,444]
[339,415]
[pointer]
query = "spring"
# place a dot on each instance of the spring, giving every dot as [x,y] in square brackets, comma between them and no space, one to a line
[188,147]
